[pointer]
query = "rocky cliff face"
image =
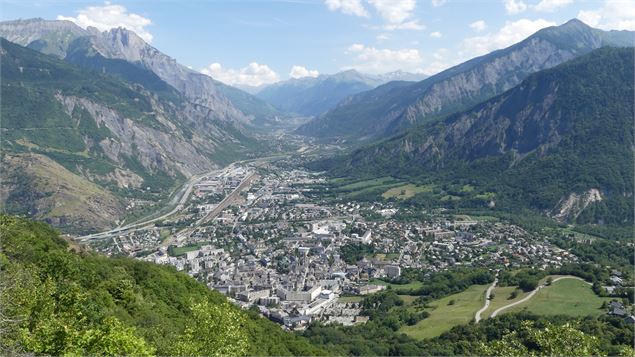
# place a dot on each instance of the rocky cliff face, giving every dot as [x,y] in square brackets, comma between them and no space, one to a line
[113,139]
[463,86]
[157,150]
[513,123]
[57,37]
[486,80]
[569,208]
[51,37]
[39,187]
[197,87]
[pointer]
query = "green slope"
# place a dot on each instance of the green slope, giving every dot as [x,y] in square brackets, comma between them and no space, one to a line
[56,301]
[561,131]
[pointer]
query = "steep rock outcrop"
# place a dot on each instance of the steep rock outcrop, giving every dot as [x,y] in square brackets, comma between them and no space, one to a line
[393,109]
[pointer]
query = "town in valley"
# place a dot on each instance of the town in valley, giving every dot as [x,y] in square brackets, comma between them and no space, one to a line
[267,234]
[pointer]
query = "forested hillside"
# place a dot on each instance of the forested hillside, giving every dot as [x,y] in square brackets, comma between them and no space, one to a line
[560,142]
[57,299]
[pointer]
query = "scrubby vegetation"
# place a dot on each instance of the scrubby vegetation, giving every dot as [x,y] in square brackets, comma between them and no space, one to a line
[58,301]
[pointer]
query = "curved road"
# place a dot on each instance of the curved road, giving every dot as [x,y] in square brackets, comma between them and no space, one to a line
[532,293]
[180,198]
[488,293]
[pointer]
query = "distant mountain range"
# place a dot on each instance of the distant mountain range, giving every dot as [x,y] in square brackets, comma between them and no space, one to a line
[107,118]
[560,142]
[75,141]
[101,50]
[389,109]
[312,96]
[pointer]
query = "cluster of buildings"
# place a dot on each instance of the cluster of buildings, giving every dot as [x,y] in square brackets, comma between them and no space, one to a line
[299,258]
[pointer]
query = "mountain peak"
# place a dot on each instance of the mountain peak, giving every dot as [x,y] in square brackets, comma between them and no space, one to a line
[347,73]
[575,22]
[569,28]
[126,37]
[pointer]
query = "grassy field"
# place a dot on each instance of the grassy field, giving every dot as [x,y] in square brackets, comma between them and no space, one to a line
[564,297]
[386,256]
[188,248]
[576,235]
[501,298]
[444,316]
[345,299]
[483,218]
[397,287]
[406,191]
[373,187]
[360,185]
[408,299]
[485,196]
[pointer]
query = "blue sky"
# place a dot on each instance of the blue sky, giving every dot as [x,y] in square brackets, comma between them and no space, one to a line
[253,42]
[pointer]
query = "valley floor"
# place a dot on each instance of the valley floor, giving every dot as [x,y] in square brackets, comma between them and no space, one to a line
[268,234]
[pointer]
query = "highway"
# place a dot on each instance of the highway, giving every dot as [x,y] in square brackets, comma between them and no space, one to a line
[178,199]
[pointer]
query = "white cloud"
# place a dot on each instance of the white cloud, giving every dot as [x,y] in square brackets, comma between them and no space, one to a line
[397,14]
[375,60]
[439,62]
[382,37]
[300,72]
[515,6]
[349,7]
[509,34]
[408,25]
[356,47]
[613,15]
[253,75]
[437,3]
[479,25]
[551,5]
[436,34]
[111,16]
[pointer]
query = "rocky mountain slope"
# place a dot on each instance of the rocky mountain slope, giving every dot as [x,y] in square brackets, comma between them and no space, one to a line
[386,111]
[560,142]
[82,136]
[84,47]
[313,96]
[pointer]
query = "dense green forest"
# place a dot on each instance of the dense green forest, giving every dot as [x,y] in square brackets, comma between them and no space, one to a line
[57,300]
